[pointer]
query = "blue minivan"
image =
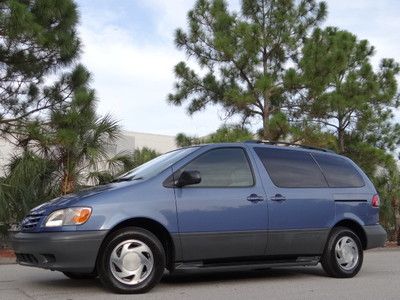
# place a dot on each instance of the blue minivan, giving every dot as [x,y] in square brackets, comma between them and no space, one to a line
[238,205]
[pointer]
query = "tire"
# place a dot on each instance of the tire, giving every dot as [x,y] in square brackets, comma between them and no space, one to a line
[132,261]
[343,254]
[80,276]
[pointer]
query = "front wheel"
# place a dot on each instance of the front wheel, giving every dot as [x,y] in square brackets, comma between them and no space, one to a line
[132,261]
[343,255]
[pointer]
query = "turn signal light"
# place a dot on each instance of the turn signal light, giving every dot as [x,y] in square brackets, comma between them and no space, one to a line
[82,215]
[375,201]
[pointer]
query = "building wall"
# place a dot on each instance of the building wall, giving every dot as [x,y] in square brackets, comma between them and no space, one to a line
[6,152]
[128,142]
[137,140]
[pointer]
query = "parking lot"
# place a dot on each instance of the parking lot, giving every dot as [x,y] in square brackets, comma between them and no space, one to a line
[379,279]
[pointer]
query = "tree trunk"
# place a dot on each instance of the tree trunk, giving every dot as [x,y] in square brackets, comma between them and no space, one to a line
[341,140]
[67,184]
[265,116]
[265,135]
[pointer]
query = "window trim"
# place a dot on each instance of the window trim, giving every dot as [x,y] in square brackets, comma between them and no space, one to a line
[168,181]
[293,187]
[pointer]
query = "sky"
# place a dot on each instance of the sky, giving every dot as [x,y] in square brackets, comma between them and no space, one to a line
[128,47]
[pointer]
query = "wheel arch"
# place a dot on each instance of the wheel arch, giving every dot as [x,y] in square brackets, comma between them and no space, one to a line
[154,227]
[354,226]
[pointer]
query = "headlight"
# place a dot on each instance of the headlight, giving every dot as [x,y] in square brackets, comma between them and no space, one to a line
[68,216]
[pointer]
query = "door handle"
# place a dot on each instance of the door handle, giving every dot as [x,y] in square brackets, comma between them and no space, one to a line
[278,197]
[255,198]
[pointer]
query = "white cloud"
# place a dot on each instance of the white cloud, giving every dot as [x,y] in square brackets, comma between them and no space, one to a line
[132,80]
[170,15]
[376,21]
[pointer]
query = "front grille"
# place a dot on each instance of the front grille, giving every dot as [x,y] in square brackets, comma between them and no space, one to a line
[26,258]
[31,221]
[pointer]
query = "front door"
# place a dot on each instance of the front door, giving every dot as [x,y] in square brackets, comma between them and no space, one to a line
[225,215]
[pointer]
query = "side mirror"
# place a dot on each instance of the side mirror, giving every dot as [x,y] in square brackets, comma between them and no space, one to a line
[188,178]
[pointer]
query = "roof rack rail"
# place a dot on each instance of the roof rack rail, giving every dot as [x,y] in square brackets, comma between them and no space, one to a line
[277,143]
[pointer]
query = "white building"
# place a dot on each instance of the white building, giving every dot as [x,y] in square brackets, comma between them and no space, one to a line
[128,142]
[136,140]
[6,151]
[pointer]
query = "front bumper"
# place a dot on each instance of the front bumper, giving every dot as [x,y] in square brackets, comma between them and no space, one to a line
[376,236]
[61,251]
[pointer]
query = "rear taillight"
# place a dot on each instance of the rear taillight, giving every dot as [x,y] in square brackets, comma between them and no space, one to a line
[375,201]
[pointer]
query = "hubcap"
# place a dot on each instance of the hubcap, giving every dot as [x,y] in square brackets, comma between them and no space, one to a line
[346,252]
[131,262]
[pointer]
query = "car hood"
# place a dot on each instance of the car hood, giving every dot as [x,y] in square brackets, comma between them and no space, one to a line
[73,199]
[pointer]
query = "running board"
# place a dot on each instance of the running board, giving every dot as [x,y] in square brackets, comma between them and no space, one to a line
[249,265]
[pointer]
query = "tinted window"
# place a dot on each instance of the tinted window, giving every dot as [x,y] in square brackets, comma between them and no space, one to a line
[225,167]
[291,169]
[338,171]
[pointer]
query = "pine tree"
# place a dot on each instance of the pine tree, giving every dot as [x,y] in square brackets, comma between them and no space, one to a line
[338,88]
[37,38]
[226,133]
[243,56]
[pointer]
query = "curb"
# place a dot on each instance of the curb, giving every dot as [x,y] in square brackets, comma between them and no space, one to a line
[7,261]
[7,256]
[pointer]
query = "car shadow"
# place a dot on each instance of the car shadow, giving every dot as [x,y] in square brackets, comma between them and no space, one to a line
[204,276]
[64,282]
[197,277]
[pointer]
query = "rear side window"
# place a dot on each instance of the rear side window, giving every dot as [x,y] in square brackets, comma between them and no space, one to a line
[291,169]
[223,167]
[338,171]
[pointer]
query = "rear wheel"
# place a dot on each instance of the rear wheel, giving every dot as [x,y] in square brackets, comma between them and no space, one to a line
[343,255]
[132,261]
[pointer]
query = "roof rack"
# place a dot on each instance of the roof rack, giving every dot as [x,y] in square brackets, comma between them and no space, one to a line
[277,143]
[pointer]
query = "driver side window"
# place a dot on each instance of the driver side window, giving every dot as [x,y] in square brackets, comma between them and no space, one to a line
[223,167]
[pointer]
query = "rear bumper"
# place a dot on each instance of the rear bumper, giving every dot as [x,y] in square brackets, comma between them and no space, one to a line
[61,251]
[376,236]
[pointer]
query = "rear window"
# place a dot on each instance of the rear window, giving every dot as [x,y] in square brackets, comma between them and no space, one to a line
[339,172]
[291,169]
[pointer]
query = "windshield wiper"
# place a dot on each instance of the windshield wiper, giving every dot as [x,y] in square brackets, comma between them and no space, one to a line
[126,179]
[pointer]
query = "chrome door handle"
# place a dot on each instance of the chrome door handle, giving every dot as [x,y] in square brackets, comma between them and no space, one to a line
[255,198]
[278,197]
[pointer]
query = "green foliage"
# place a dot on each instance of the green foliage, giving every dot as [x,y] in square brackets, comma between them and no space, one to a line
[122,163]
[37,38]
[101,177]
[58,150]
[339,89]
[278,127]
[28,182]
[74,137]
[54,125]
[388,184]
[307,133]
[230,133]
[226,133]
[243,56]
[143,155]
[182,140]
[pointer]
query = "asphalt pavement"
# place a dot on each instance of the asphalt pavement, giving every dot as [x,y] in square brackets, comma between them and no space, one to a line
[379,279]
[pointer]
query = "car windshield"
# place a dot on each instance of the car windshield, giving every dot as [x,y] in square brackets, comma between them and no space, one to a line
[156,165]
